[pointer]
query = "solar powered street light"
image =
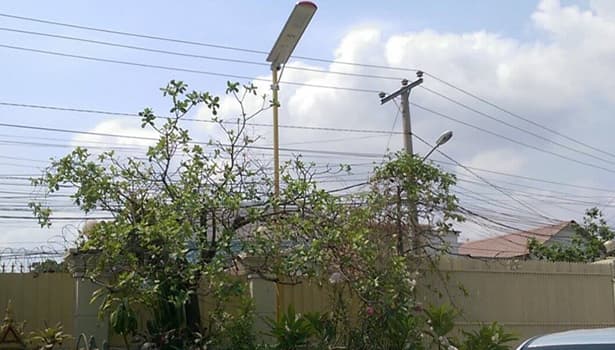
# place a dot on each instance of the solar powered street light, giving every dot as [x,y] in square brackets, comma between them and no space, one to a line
[284,46]
[291,33]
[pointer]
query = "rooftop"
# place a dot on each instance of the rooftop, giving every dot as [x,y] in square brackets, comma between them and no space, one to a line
[511,245]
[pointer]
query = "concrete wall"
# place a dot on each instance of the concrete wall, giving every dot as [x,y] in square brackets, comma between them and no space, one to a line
[528,297]
[48,297]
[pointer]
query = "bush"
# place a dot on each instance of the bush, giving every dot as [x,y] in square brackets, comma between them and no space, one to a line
[488,337]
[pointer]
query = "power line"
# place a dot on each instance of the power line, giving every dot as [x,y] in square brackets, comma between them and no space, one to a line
[123,114]
[190,55]
[504,204]
[502,237]
[536,148]
[321,141]
[103,112]
[528,178]
[484,199]
[515,115]
[393,126]
[15,165]
[197,43]
[87,143]
[526,186]
[484,180]
[143,36]
[41,144]
[323,86]
[549,200]
[179,69]
[479,196]
[56,218]
[558,183]
[27,242]
[91,133]
[532,210]
[510,217]
[313,153]
[261,52]
[566,194]
[517,230]
[505,237]
[538,136]
[23,159]
[539,196]
[519,211]
[96,111]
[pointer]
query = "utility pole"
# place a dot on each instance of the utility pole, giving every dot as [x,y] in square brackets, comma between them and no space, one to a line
[404,92]
[284,46]
[405,112]
[275,86]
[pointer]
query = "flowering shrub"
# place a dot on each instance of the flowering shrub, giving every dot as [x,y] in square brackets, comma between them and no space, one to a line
[488,337]
[389,329]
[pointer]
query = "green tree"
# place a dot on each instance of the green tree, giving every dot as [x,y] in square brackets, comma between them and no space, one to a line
[48,266]
[188,214]
[176,212]
[587,244]
[354,240]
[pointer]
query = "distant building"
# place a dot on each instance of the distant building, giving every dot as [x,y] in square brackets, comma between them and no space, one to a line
[515,245]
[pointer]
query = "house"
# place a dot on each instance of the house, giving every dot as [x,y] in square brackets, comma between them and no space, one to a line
[515,245]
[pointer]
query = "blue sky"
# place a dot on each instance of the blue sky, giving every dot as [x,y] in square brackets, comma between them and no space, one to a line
[246,24]
[547,61]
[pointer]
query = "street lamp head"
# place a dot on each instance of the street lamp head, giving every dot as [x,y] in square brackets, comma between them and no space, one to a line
[444,138]
[291,33]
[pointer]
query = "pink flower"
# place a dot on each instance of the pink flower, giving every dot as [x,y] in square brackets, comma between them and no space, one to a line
[370,310]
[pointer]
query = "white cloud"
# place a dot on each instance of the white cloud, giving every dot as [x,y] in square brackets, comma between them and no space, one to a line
[562,79]
[135,136]
[501,160]
[604,8]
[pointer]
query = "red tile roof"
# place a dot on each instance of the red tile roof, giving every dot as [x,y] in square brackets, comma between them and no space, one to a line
[510,245]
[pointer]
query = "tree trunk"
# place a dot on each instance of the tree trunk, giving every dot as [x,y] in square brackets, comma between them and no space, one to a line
[193,313]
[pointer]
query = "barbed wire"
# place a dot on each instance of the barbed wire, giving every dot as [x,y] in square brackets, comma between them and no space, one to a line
[24,260]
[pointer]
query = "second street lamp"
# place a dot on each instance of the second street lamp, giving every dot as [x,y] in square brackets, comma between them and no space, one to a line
[414,218]
[278,56]
[444,138]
